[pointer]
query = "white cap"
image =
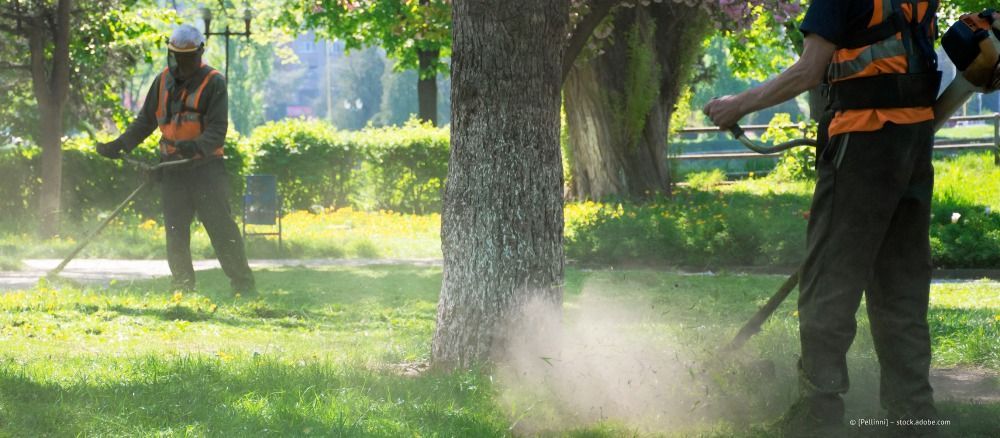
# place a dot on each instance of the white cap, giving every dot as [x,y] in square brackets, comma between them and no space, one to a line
[186,38]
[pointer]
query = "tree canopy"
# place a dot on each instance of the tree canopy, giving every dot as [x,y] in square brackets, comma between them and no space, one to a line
[401,27]
[107,43]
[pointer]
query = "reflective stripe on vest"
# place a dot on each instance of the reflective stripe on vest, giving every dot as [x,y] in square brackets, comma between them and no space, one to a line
[185,124]
[884,57]
[889,56]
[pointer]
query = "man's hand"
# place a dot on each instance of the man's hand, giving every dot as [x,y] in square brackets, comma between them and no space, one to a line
[187,148]
[112,150]
[724,111]
[806,73]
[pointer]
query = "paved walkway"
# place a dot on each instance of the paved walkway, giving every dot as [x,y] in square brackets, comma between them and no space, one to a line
[102,271]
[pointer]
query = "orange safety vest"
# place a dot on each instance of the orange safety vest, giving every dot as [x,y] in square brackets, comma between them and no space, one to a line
[186,124]
[888,56]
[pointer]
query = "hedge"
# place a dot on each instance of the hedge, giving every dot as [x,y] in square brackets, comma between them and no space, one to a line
[399,169]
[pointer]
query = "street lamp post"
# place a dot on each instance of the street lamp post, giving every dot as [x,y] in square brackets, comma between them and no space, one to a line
[206,16]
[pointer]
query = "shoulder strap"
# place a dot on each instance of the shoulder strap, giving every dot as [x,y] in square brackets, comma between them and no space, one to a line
[894,23]
[926,33]
[162,97]
[197,95]
[200,80]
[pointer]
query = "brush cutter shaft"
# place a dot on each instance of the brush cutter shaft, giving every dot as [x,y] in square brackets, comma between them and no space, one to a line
[90,237]
[780,147]
[754,324]
[114,213]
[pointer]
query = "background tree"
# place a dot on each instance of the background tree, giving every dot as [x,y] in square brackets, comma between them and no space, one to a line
[618,101]
[416,33]
[619,96]
[54,72]
[400,102]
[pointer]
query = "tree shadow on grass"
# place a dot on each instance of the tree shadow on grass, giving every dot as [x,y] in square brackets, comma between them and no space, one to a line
[251,397]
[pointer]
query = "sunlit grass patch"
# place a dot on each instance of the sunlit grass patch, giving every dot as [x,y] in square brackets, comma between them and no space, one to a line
[965,323]
[317,355]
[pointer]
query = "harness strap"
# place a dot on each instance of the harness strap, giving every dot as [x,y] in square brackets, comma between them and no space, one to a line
[916,88]
[886,91]
[893,25]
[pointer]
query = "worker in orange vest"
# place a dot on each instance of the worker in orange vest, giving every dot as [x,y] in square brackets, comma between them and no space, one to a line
[869,225]
[188,102]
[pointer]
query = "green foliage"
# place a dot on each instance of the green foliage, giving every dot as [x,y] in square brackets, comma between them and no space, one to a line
[108,40]
[798,163]
[694,228]
[967,187]
[705,180]
[643,70]
[762,221]
[17,165]
[399,169]
[401,27]
[312,162]
[762,50]
[682,111]
[404,168]
[93,184]
[795,164]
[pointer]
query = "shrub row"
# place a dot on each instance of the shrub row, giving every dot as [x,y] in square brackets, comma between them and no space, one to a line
[399,169]
[695,228]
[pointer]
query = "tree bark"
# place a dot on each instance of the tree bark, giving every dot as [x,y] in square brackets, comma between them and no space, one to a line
[502,222]
[427,89]
[51,89]
[617,135]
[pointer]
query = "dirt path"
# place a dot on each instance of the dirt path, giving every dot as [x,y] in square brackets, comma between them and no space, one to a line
[102,271]
[966,385]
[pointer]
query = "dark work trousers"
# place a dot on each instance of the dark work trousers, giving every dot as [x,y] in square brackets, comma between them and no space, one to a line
[202,189]
[868,231]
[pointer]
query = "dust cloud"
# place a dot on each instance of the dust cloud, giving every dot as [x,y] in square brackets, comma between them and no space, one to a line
[612,361]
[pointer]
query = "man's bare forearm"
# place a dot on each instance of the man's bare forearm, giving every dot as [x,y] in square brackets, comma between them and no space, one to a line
[787,85]
[806,73]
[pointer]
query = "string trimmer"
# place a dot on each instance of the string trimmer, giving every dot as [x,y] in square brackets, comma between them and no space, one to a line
[754,324]
[148,170]
[972,45]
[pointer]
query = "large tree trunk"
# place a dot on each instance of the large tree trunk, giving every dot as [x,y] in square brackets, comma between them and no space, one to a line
[427,89]
[618,104]
[502,223]
[51,89]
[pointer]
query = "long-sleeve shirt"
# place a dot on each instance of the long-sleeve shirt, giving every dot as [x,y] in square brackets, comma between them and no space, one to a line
[214,107]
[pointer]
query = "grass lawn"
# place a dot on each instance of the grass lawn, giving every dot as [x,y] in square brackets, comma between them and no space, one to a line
[325,353]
